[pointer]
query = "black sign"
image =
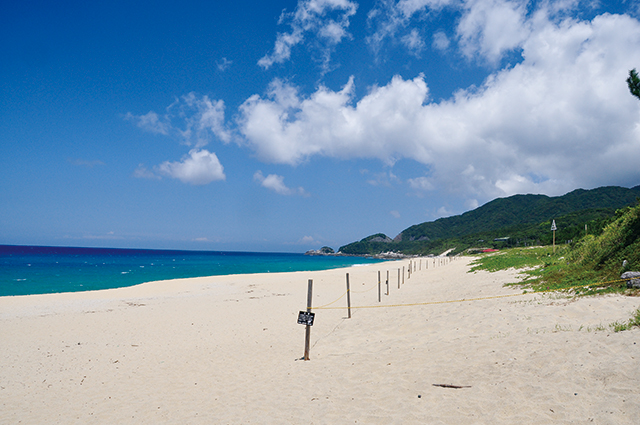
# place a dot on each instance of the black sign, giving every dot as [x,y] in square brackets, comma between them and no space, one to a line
[306,318]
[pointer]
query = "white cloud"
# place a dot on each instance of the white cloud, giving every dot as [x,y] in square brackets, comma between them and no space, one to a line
[289,129]
[395,214]
[560,119]
[440,41]
[390,18]
[199,167]
[143,172]
[150,121]
[202,118]
[192,119]
[326,20]
[485,29]
[223,64]
[444,212]
[491,27]
[383,179]
[421,184]
[413,41]
[308,240]
[471,204]
[275,183]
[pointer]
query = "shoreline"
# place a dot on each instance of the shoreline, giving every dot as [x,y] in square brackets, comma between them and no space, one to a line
[37,270]
[226,349]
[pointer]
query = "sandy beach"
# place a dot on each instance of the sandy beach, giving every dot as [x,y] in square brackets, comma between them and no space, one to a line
[227,350]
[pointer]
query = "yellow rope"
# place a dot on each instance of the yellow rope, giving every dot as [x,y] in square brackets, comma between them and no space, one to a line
[325,307]
[364,292]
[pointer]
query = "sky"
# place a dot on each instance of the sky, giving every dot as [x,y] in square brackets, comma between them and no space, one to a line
[284,126]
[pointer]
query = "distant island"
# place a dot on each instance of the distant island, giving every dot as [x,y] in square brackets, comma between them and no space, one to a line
[518,220]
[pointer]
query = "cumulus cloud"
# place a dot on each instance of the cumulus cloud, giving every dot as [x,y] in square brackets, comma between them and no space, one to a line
[326,20]
[275,183]
[560,119]
[199,167]
[285,127]
[489,28]
[192,119]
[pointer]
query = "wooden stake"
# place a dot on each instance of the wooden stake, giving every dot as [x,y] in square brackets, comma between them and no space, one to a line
[348,297]
[398,278]
[307,336]
[403,275]
[379,299]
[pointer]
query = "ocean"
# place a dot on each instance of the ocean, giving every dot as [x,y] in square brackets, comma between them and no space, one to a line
[27,270]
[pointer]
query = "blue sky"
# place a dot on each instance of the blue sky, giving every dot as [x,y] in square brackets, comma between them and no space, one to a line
[290,125]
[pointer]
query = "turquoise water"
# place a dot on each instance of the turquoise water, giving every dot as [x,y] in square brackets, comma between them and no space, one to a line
[26,270]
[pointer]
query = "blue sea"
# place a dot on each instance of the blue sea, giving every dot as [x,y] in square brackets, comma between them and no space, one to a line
[26,270]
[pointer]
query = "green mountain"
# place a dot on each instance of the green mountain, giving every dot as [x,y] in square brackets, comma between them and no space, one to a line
[516,220]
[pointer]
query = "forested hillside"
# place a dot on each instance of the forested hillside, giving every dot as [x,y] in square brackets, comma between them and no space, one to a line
[514,221]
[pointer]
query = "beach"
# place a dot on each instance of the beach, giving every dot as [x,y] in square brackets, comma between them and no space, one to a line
[451,347]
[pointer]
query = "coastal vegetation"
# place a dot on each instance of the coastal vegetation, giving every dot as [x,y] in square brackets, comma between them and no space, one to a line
[590,265]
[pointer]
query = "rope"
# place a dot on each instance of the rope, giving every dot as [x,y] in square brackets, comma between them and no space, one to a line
[326,306]
[364,292]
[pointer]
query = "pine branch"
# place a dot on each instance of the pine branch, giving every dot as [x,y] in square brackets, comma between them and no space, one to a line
[634,83]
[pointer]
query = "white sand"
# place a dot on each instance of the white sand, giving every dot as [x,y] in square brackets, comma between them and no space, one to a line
[226,350]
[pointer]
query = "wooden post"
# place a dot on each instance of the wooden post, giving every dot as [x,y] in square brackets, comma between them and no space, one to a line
[398,277]
[348,297]
[387,282]
[379,299]
[403,275]
[307,336]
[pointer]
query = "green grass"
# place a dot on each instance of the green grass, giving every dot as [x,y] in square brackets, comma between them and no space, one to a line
[545,271]
[633,322]
[592,266]
[517,258]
